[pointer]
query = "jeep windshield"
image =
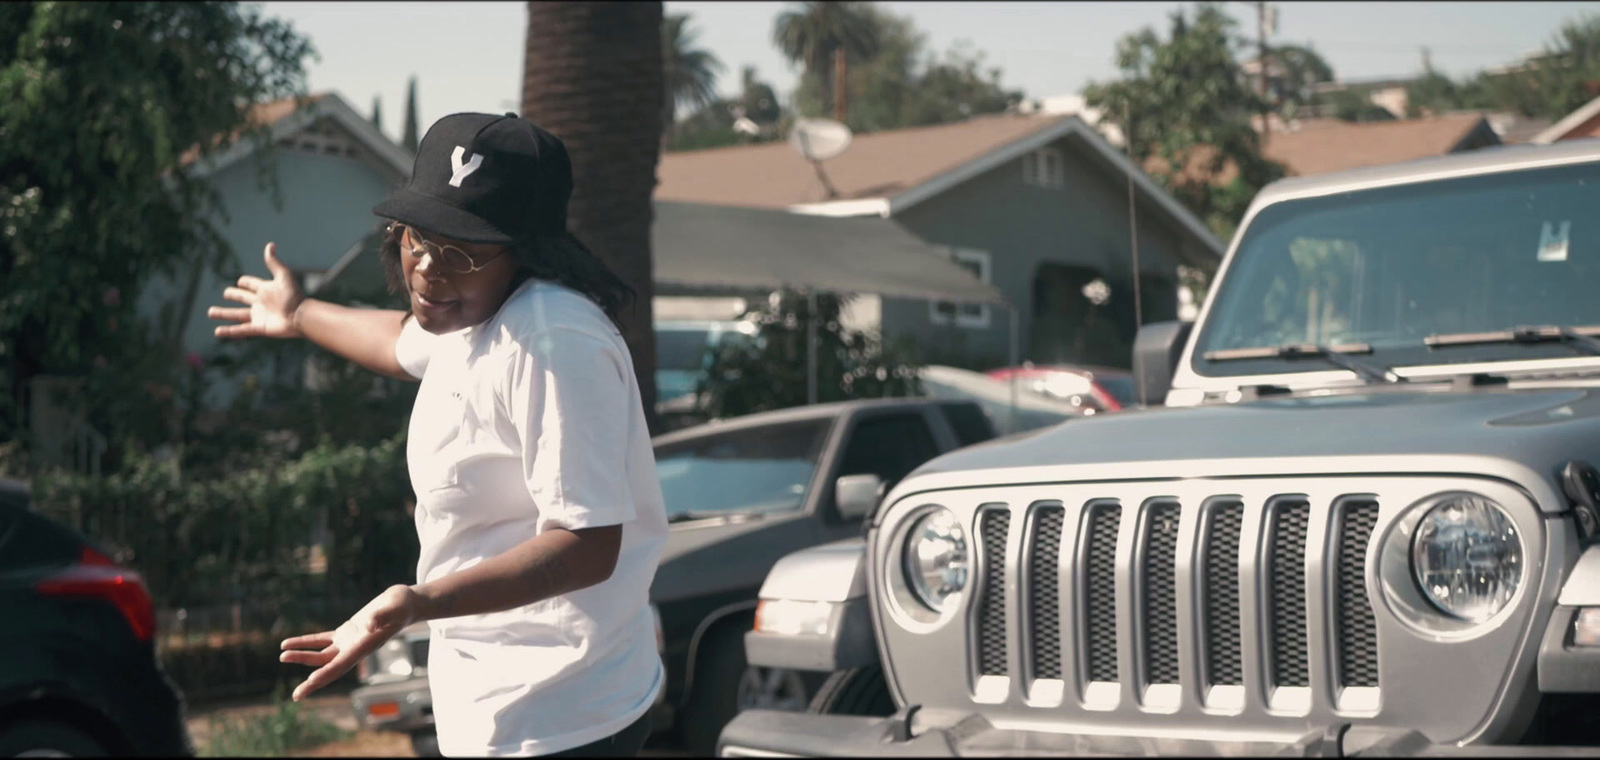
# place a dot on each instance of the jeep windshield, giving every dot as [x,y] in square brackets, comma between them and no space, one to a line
[1395,266]
[755,470]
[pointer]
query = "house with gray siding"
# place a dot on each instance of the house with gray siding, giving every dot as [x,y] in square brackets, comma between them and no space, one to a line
[1036,205]
[331,165]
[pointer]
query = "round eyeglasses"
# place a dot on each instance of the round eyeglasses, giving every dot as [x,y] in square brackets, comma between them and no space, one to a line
[449,257]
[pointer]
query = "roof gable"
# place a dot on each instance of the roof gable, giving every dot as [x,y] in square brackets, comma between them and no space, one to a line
[1326,145]
[879,164]
[1569,124]
[887,172]
[1318,146]
[287,118]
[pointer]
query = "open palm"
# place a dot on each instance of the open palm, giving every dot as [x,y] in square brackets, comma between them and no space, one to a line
[334,652]
[271,304]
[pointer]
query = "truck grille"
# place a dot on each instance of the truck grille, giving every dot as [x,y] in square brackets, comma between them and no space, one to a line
[1224,660]
[992,606]
[1357,629]
[1287,605]
[1089,551]
[1101,595]
[1044,593]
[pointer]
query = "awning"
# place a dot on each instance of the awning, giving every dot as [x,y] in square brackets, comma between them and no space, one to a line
[723,249]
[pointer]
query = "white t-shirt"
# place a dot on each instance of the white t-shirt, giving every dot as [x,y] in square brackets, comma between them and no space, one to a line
[528,422]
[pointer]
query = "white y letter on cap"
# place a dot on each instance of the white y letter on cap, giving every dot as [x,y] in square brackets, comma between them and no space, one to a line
[461,171]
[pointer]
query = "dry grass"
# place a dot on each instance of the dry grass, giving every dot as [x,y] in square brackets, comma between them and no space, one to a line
[364,744]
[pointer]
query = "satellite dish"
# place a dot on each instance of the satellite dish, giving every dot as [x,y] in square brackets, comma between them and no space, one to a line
[819,139]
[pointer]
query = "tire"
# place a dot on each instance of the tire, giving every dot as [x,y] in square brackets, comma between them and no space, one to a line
[857,691]
[425,743]
[715,695]
[48,738]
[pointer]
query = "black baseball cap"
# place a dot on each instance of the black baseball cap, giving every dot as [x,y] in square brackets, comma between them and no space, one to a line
[483,178]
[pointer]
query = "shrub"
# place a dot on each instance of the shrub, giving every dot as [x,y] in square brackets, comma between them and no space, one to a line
[273,734]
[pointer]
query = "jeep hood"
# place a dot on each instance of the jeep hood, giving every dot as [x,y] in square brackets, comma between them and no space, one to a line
[1537,428]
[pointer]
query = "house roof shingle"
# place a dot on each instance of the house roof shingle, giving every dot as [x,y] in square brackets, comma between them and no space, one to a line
[1317,146]
[259,115]
[881,164]
[1328,145]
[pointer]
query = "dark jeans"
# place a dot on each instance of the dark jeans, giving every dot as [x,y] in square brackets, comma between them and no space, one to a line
[624,743]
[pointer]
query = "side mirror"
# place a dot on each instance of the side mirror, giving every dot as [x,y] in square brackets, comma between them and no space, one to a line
[856,496]
[1155,358]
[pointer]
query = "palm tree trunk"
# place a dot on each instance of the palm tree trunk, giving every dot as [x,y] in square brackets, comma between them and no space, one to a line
[592,75]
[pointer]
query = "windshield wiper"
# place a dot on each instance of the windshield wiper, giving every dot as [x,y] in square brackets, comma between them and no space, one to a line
[1334,354]
[1579,338]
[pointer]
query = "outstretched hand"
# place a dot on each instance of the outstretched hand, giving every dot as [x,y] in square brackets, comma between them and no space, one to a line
[271,304]
[334,652]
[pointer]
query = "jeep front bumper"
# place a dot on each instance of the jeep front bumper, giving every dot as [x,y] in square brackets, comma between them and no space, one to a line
[766,733]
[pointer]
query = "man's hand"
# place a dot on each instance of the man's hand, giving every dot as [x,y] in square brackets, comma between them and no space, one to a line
[271,303]
[334,652]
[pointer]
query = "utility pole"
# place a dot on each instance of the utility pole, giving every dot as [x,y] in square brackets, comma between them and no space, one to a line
[1261,67]
[838,85]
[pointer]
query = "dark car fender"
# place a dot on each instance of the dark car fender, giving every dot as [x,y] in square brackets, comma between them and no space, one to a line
[85,686]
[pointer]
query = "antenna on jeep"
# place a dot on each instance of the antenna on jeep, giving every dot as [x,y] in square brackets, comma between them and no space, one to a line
[1133,235]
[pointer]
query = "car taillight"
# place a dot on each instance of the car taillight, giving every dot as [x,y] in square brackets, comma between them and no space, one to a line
[1107,401]
[96,575]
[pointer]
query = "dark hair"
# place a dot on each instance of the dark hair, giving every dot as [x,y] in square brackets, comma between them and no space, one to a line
[561,258]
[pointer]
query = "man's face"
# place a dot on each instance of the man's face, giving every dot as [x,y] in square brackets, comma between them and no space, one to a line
[453,284]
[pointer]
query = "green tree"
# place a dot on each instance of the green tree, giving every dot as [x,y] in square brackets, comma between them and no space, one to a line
[812,32]
[1186,111]
[770,372]
[1568,75]
[1302,68]
[903,85]
[101,107]
[713,125]
[691,72]
[1357,106]
[758,99]
[1550,85]
[412,135]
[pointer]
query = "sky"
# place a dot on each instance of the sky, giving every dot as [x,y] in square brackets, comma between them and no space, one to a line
[468,56]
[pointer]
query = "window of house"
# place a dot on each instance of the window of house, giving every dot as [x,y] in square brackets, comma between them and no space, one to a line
[1044,167]
[973,315]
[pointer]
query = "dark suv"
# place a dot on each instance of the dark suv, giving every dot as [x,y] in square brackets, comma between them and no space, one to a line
[78,668]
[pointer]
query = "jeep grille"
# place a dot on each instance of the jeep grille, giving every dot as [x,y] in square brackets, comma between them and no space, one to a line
[1182,606]
[1155,548]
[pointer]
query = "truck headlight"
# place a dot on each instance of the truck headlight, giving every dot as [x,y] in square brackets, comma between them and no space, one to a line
[1467,557]
[936,558]
[786,616]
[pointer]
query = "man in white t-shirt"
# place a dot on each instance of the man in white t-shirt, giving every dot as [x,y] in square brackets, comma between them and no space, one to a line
[538,511]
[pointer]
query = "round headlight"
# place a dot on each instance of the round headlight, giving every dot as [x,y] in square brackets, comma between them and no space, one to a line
[1467,557]
[936,558]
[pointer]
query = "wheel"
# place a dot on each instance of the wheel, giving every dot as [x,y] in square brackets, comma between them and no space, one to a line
[725,685]
[48,738]
[425,743]
[857,691]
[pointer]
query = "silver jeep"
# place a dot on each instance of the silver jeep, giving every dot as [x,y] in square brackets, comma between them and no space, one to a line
[1357,517]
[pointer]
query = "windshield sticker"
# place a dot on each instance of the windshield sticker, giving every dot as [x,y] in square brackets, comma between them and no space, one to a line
[1553,242]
